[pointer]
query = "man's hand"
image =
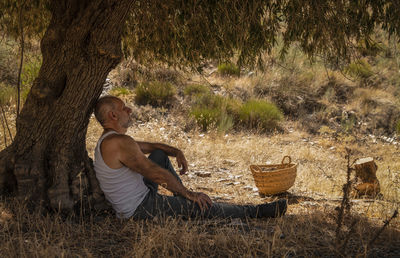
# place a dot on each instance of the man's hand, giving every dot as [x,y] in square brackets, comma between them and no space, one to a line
[200,198]
[182,163]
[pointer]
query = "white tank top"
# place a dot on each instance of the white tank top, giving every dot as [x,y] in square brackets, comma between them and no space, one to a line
[122,187]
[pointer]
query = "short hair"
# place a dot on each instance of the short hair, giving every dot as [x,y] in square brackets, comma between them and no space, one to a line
[103,105]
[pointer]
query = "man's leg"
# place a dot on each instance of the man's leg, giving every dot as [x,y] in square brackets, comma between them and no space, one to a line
[177,206]
[160,158]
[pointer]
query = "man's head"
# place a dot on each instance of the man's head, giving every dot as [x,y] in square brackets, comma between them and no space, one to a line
[112,113]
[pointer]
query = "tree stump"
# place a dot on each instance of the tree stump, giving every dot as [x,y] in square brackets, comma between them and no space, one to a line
[366,183]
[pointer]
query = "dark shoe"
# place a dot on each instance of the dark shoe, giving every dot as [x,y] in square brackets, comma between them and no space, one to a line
[272,210]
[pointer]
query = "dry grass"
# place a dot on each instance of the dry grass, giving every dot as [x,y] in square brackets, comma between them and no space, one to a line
[308,229]
[307,232]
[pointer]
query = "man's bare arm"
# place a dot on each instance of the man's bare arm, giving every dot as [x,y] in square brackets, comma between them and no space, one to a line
[130,155]
[148,147]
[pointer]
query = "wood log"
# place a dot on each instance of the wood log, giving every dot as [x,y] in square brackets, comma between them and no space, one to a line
[366,182]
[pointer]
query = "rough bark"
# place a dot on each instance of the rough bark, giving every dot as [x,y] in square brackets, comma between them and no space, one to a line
[48,161]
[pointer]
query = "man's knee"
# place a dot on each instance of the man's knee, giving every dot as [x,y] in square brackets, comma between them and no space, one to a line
[158,156]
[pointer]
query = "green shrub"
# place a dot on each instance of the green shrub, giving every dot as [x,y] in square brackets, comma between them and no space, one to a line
[30,71]
[260,114]
[120,91]
[398,127]
[196,89]
[24,93]
[206,118]
[155,93]
[359,70]
[225,122]
[208,101]
[215,111]
[228,69]
[211,100]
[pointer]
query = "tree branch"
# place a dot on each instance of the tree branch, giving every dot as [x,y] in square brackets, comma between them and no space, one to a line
[22,46]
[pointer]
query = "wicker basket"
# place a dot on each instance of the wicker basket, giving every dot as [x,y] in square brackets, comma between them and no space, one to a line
[274,179]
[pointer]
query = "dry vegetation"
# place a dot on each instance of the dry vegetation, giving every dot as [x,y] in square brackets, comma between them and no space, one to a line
[325,112]
[308,229]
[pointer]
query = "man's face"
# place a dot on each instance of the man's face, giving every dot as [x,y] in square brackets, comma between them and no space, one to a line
[123,112]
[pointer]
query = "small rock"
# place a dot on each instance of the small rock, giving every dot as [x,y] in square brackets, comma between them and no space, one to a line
[229,162]
[223,180]
[203,174]
[224,170]
[212,71]
[309,203]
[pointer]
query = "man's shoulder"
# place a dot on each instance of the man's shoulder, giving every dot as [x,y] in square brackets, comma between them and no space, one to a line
[115,145]
[116,139]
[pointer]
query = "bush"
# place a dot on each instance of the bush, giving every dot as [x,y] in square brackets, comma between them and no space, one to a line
[30,71]
[260,114]
[228,69]
[398,127]
[196,89]
[120,91]
[155,93]
[359,70]
[222,113]
[206,118]
[215,111]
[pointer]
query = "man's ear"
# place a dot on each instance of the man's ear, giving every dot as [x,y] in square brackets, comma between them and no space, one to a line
[112,115]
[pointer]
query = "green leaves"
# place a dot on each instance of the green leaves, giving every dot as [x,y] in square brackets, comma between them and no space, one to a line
[189,32]
[32,15]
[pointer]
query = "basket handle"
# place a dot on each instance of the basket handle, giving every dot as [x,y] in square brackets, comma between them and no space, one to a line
[255,168]
[283,160]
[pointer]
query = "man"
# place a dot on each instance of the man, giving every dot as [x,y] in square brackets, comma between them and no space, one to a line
[130,180]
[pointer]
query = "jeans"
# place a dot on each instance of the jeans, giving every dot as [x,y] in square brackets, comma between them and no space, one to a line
[159,205]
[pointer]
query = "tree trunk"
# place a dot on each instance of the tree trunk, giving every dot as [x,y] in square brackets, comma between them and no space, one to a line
[366,183]
[48,161]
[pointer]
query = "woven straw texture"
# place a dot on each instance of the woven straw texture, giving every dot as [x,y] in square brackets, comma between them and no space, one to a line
[274,179]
